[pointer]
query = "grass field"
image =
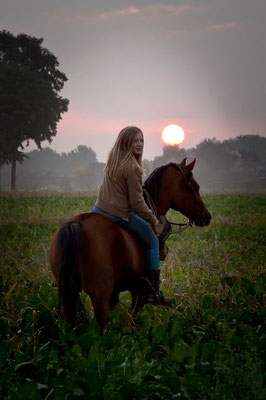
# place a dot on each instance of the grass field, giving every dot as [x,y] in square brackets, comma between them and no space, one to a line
[209,345]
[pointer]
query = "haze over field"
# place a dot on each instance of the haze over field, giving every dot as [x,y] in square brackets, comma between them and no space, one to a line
[232,165]
[198,64]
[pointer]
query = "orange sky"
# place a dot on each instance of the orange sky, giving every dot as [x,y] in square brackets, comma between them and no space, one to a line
[99,133]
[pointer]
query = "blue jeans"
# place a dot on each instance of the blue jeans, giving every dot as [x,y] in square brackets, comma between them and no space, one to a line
[144,231]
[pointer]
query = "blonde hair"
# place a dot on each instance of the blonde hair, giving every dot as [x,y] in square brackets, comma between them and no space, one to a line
[121,154]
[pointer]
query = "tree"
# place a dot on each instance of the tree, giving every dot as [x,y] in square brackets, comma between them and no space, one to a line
[30,104]
[216,155]
[85,179]
[173,153]
[170,154]
[249,143]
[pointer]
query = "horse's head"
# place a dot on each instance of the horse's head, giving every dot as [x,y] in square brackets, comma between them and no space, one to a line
[186,197]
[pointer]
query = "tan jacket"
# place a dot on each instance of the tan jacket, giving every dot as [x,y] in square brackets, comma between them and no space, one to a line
[123,195]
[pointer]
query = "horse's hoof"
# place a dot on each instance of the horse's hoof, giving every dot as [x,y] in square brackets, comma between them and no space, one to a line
[166,301]
[158,299]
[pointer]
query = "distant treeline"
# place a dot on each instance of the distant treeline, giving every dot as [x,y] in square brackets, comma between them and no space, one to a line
[46,169]
[232,165]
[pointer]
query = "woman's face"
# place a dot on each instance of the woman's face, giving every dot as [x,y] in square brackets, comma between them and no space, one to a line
[138,143]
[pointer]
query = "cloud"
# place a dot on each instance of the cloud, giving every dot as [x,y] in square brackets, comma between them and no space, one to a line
[148,12]
[170,9]
[92,16]
[119,13]
[224,26]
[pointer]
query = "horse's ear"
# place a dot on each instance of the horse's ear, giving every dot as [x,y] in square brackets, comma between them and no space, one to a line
[184,162]
[188,168]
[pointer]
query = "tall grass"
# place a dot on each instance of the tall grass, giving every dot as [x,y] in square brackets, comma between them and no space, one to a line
[209,345]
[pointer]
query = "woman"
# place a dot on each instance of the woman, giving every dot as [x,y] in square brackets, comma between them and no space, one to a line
[121,198]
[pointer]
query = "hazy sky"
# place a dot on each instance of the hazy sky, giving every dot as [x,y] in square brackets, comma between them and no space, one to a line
[198,63]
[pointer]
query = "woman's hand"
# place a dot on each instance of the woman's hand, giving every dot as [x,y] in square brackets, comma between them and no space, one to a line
[162,228]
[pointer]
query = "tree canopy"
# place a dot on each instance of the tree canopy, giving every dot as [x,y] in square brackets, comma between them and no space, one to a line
[30,104]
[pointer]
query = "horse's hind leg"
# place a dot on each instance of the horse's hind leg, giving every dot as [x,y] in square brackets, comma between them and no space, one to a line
[114,299]
[101,309]
[81,310]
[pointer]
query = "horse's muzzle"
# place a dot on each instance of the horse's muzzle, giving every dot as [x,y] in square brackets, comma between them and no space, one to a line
[203,219]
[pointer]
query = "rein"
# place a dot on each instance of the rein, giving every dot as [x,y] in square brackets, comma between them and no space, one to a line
[152,206]
[188,224]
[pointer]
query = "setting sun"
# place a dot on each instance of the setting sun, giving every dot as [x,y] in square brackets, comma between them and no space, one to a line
[173,135]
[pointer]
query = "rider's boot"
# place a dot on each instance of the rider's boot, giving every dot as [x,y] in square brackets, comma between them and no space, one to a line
[155,296]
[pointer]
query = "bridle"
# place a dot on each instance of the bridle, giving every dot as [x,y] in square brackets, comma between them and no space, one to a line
[185,179]
[150,202]
[185,226]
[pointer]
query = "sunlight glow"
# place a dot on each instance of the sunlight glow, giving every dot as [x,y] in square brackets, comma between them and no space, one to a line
[173,135]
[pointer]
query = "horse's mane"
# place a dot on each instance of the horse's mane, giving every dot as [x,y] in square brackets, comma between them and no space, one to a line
[153,181]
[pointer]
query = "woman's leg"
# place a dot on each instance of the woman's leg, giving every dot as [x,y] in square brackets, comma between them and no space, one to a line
[146,233]
[148,237]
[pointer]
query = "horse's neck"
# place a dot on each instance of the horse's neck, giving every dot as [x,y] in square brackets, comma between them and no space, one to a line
[166,193]
[149,201]
[164,199]
[162,207]
[158,208]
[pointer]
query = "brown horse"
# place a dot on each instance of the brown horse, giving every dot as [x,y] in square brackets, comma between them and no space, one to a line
[93,253]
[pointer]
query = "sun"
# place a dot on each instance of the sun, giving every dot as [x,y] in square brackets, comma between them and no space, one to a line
[173,135]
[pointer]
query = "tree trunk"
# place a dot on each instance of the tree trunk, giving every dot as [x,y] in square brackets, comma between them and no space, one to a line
[13,174]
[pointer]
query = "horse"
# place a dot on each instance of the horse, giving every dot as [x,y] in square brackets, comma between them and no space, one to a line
[94,253]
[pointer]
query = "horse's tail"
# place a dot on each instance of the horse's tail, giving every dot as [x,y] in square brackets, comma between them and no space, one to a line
[70,243]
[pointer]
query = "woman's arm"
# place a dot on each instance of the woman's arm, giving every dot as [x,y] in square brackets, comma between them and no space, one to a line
[136,199]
